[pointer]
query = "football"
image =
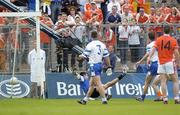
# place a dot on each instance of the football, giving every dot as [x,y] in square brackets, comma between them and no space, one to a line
[13,81]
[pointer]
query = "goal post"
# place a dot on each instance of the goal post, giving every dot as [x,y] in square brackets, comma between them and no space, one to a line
[21,16]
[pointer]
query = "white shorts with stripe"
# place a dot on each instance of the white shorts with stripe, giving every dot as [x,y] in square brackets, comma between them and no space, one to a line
[167,68]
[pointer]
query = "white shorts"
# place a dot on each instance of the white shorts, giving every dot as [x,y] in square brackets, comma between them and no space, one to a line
[167,68]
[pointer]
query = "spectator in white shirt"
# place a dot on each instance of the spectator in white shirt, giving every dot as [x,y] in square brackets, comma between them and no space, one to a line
[113,3]
[133,41]
[123,42]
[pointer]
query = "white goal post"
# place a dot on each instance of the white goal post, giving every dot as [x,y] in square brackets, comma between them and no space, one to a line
[24,15]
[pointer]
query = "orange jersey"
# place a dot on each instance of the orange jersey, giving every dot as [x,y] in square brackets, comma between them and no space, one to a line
[172,19]
[165,45]
[153,18]
[141,3]
[88,15]
[165,10]
[43,36]
[161,18]
[131,1]
[110,41]
[142,19]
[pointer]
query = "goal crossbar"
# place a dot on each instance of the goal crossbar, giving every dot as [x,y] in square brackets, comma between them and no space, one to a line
[20,14]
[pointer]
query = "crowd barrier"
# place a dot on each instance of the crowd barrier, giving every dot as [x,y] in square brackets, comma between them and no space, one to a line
[65,85]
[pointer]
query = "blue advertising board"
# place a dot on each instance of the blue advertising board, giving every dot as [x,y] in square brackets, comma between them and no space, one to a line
[65,85]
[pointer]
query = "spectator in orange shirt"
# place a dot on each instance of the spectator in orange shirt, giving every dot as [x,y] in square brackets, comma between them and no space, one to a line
[160,16]
[94,10]
[62,21]
[160,20]
[3,67]
[87,6]
[140,4]
[173,16]
[110,36]
[93,20]
[129,6]
[44,38]
[164,9]
[142,17]
[153,17]
[167,47]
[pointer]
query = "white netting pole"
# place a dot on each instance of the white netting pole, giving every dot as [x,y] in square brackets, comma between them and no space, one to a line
[39,69]
[15,46]
[37,28]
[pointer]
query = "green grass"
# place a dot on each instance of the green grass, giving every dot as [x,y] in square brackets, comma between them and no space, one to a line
[71,107]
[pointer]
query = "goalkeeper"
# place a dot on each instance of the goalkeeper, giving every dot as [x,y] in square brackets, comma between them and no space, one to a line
[84,84]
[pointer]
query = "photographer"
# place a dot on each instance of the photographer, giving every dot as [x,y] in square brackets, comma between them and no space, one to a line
[65,46]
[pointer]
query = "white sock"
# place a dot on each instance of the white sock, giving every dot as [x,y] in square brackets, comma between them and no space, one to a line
[104,99]
[86,98]
[165,99]
[176,98]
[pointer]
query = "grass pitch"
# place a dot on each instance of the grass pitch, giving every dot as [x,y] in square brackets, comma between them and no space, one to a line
[71,107]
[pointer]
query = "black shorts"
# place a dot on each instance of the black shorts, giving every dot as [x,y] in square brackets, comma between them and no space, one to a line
[95,94]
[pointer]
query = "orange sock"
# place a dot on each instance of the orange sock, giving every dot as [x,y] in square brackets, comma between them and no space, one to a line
[159,94]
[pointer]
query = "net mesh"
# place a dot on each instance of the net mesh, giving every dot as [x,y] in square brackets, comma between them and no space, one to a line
[16,37]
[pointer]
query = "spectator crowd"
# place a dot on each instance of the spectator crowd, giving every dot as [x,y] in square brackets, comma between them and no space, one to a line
[121,24]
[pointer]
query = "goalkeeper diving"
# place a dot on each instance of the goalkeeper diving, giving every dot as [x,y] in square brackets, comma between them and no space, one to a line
[84,84]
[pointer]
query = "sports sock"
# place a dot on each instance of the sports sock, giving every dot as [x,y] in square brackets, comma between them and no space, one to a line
[86,98]
[159,94]
[104,99]
[143,97]
[165,99]
[176,98]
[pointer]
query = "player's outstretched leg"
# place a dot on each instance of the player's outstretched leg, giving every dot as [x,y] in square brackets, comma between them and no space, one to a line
[82,102]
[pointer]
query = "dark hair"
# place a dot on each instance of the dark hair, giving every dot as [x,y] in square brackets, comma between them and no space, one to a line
[166,29]
[151,36]
[94,34]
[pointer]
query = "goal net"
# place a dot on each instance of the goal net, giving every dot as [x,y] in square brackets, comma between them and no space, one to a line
[17,37]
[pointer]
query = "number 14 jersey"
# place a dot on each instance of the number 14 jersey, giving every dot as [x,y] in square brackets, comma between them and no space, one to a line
[165,45]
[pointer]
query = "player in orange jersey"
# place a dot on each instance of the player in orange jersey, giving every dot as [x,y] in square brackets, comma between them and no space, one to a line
[167,46]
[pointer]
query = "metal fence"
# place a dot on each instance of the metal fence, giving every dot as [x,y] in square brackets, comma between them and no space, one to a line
[55,55]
